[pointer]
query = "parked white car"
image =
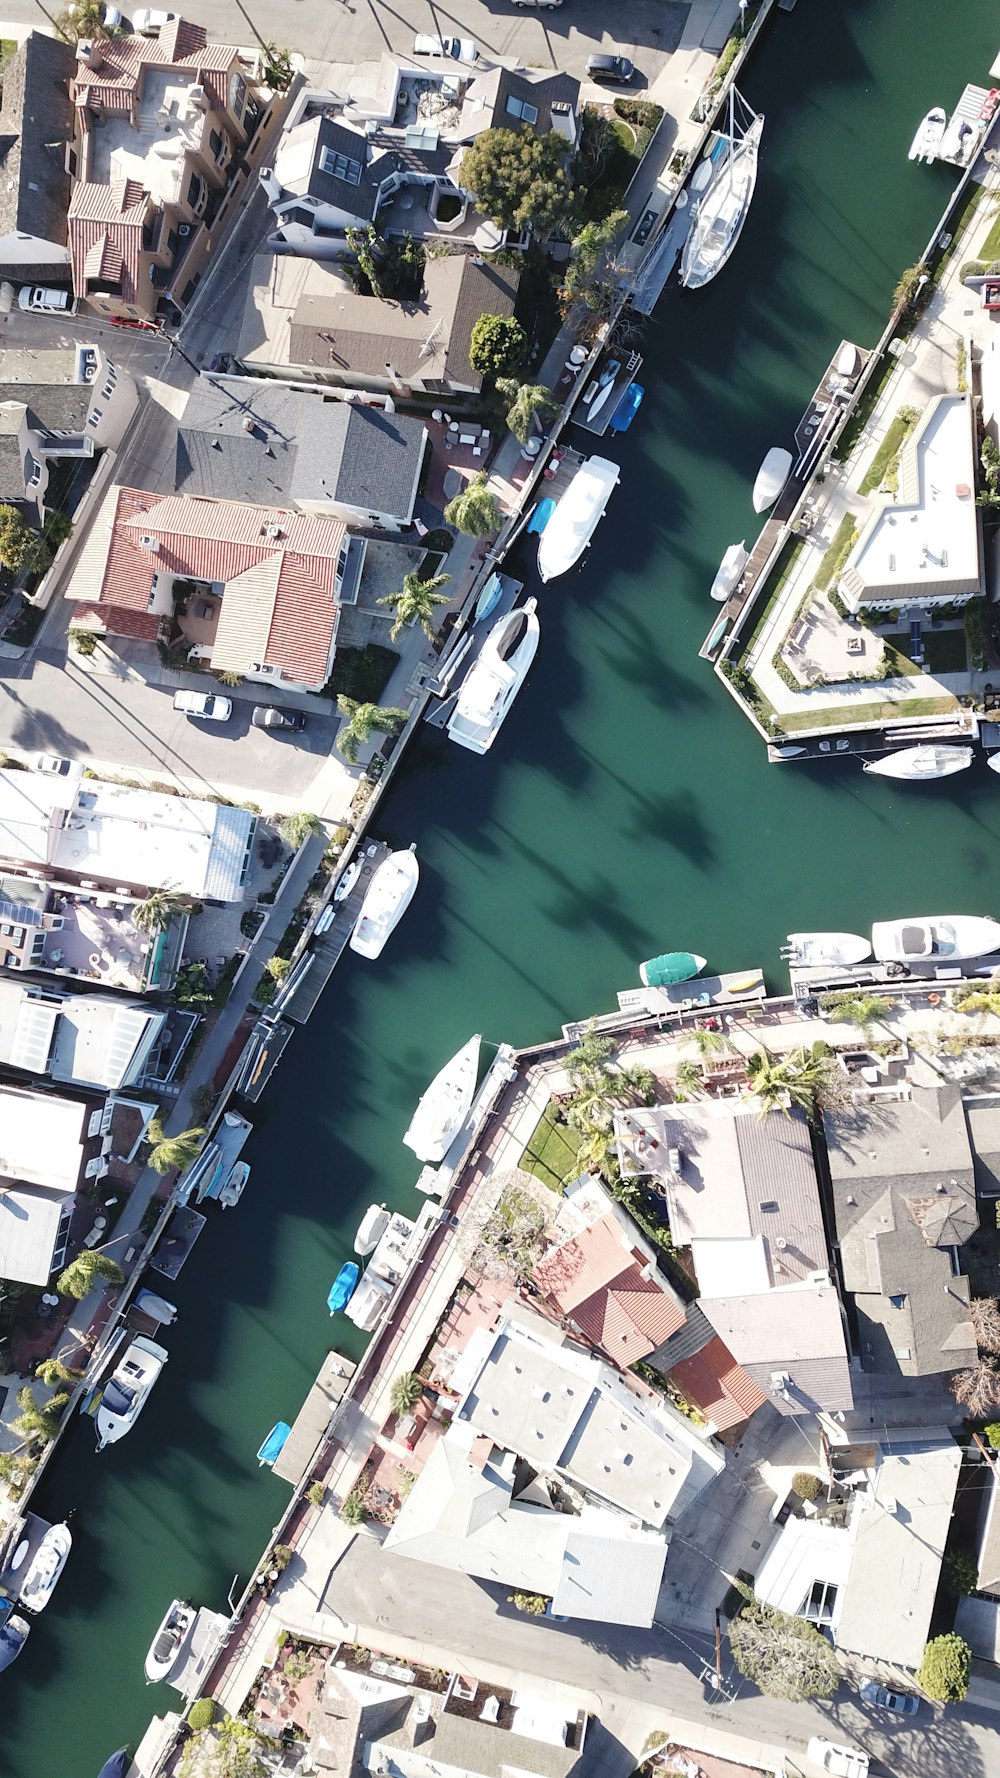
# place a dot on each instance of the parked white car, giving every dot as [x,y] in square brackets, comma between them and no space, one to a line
[58,767]
[147,23]
[461,49]
[39,296]
[206,704]
[843,1762]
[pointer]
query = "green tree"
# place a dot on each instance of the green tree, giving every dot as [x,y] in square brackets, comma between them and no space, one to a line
[519,179]
[497,346]
[201,1714]
[297,826]
[52,1371]
[533,1604]
[159,908]
[406,1391]
[688,1077]
[992,1431]
[354,1511]
[85,18]
[784,1656]
[15,538]
[86,1271]
[278,68]
[38,1420]
[364,721]
[710,1043]
[416,602]
[527,403]
[945,1669]
[476,511]
[589,249]
[856,1008]
[170,1153]
[806,1078]
[960,1573]
[83,641]
[590,1055]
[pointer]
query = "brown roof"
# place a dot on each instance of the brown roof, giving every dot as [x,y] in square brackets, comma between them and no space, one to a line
[105,234]
[116,82]
[118,620]
[716,1385]
[598,1279]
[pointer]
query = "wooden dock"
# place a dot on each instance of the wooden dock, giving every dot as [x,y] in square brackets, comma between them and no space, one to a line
[629,368]
[265,1047]
[312,1421]
[177,1240]
[328,947]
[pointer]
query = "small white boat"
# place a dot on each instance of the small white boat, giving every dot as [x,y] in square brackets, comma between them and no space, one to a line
[369,1302]
[572,525]
[921,763]
[488,598]
[771,477]
[348,880]
[928,138]
[169,1641]
[604,388]
[389,895]
[936,938]
[730,568]
[789,750]
[372,1227]
[45,1568]
[838,950]
[495,679]
[720,210]
[127,1390]
[444,1107]
[848,361]
[13,1636]
[232,1191]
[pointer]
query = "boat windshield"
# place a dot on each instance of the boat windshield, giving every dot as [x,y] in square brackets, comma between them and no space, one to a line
[118,1398]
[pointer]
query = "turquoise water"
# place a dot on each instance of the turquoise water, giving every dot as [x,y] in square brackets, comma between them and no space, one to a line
[627,810]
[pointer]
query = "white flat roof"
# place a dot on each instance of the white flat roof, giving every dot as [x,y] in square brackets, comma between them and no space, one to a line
[29,1226]
[41,1138]
[89,1039]
[927,539]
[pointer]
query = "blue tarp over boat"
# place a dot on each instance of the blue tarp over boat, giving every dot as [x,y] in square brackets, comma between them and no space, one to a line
[274,1443]
[342,1288]
[117,1765]
[627,408]
[541,515]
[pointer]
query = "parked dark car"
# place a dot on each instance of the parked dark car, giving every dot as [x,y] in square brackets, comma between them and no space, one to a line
[269,716]
[610,69]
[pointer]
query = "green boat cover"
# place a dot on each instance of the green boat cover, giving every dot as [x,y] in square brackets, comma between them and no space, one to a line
[673,966]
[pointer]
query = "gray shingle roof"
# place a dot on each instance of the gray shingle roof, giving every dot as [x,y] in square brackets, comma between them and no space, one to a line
[36,122]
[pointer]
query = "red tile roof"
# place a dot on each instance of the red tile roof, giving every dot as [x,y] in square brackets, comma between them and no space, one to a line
[144,626]
[573,1271]
[715,1384]
[105,233]
[115,83]
[599,1280]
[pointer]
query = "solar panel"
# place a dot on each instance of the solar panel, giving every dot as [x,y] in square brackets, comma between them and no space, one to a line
[17,913]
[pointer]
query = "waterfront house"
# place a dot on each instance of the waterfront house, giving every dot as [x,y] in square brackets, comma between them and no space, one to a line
[163,125]
[51,1148]
[57,928]
[36,126]
[921,546]
[270,445]
[58,407]
[864,1563]
[305,320]
[89,833]
[264,584]
[81,1040]
[743,1195]
[905,1205]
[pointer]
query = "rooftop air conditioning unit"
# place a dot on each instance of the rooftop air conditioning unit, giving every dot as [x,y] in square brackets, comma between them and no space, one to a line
[150,543]
[674,1160]
[271,530]
[780,1382]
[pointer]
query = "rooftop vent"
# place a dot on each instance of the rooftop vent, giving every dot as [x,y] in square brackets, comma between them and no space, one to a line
[150,543]
[781,1243]
[248,422]
[270,531]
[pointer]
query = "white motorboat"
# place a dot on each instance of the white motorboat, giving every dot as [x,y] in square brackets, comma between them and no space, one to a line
[369,1302]
[495,679]
[348,880]
[921,763]
[232,1191]
[572,525]
[936,938]
[372,1227]
[789,750]
[730,568]
[169,1641]
[927,140]
[45,1568]
[838,950]
[444,1107]
[848,361]
[389,895]
[719,212]
[771,477]
[127,1390]
[13,1636]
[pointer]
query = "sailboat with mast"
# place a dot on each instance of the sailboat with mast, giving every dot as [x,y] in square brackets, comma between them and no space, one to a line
[721,189]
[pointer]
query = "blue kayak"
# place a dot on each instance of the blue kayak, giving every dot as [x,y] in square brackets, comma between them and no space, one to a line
[541,516]
[117,1765]
[627,408]
[274,1443]
[488,598]
[342,1289]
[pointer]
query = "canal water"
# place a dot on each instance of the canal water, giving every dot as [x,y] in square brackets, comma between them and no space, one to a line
[626,810]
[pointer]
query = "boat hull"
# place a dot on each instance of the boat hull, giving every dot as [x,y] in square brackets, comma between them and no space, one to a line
[494,681]
[274,1444]
[371,1229]
[13,1636]
[771,478]
[730,568]
[46,1566]
[671,967]
[389,895]
[342,1288]
[370,1302]
[444,1107]
[627,408]
[929,136]
[117,1766]
[722,211]
[137,1373]
[935,938]
[921,765]
[169,1642]
[838,949]
[572,525]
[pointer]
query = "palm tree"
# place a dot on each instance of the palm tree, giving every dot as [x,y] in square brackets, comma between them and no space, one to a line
[85,18]
[38,1420]
[52,1370]
[597,1152]
[364,721]
[406,1391]
[633,1079]
[592,1105]
[590,1054]
[170,1152]
[87,1270]
[476,510]
[806,1078]
[416,602]
[710,1043]
[159,908]
[529,402]
[688,1077]
[861,1010]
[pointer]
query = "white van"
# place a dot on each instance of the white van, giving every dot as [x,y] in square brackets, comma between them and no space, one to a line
[37,296]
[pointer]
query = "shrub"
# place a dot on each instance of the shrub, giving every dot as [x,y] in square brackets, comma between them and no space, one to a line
[960,1572]
[534,1604]
[440,540]
[84,641]
[835,600]
[406,1391]
[316,1493]
[281,1555]
[806,1486]
[992,1431]
[945,1669]
[497,346]
[364,673]
[640,112]
[975,634]
[354,1511]
[202,1714]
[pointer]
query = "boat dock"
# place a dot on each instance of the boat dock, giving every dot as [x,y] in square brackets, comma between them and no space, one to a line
[213,1166]
[737,987]
[811,435]
[453,668]
[598,404]
[895,978]
[312,1421]
[176,1241]
[666,249]
[962,726]
[200,1654]
[265,1048]
[328,946]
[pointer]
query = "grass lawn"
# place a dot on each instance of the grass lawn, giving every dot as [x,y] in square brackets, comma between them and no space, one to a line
[990,245]
[361,673]
[944,650]
[844,715]
[551,1153]
[888,451]
[841,544]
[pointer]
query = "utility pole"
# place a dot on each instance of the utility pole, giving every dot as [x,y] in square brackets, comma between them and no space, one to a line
[51,20]
[249,21]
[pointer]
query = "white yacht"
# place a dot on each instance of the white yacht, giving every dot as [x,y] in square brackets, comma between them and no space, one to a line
[371,1228]
[495,679]
[720,209]
[389,895]
[927,140]
[444,1107]
[921,763]
[127,1390]
[45,1567]
[935,938]
[169,1641]
[369,1302]
[575,519]
[771,477]
[730,568]
[838,950]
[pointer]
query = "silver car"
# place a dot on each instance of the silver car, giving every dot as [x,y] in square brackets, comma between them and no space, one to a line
[901,1703]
